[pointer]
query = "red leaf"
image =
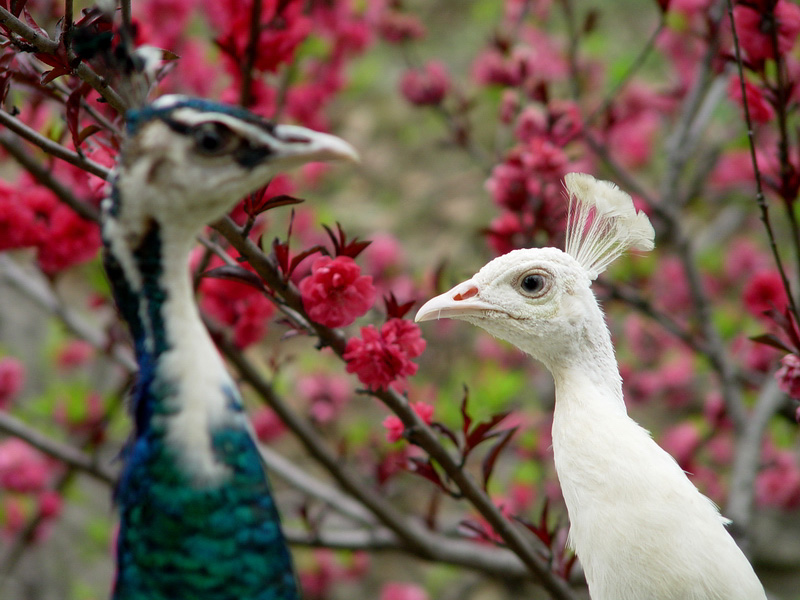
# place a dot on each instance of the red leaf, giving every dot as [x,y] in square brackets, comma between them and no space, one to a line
[281,252]
[259,202]
[395,310]
[482,432]
[302,256]
[343,247]
[770,339]
[424,468]
[487,467]
[466,419]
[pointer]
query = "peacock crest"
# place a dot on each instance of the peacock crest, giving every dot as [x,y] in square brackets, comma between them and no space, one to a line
[602,223]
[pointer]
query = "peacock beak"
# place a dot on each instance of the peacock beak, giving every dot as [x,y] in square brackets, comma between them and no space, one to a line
[293,143]
[461,301]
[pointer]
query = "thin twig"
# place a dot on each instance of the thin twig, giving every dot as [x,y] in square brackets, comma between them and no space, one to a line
[27,33]
[51,147]
[246,91]
[44,176]
[761,200]
[45,45]
[495,562]
[66,453]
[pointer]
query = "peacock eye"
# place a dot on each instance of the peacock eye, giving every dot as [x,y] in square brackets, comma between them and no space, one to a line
[532,284]
[213,138]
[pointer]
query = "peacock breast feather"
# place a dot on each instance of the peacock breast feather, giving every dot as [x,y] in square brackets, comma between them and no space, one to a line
[182,539]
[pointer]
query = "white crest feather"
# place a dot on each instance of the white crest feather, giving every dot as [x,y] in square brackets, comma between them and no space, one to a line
[602,223]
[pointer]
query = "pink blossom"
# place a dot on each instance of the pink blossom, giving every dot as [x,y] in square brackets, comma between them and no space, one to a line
[760,110]
[336,294]
[12,380]
[68,240]
[326,395]
[384,253]
[50,504]
[506,233]
[753,28]
[778,485]
[682,441]
[689,7]
[19,223]
[379,358]
[394,428]
[507,184]
[267,424]
[755,356]
[492,67]
[509,106]
[788,375]
[545,159]
[281,33]
[403,591]
[671,287]
[631,139]
[23,468]
[764,292]
[427,86]
[75,353]
[239,305]
[166,20]
[744,258]
[734,169]
[396,27]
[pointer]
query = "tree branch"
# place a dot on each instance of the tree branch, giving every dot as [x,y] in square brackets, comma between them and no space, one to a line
[64,452]
[51,147]
[747,461]
[419,432]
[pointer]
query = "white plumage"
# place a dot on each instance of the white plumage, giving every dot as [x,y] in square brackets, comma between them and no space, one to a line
[640,528]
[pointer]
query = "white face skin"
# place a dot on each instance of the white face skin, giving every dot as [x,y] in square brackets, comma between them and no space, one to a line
[538,299]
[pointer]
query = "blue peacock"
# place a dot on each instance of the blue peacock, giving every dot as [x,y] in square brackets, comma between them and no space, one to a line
[198,520]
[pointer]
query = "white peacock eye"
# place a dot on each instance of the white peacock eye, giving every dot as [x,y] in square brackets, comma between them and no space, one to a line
[534,283]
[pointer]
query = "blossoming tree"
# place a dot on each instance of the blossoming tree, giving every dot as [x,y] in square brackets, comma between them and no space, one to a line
[416,447]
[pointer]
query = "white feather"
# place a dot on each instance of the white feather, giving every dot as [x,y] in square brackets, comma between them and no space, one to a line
[602,223]
[641,530]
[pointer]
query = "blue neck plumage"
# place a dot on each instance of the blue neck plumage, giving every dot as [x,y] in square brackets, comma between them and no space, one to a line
[141,309]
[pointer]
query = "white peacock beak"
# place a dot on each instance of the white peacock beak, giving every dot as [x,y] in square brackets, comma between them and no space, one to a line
[461,301]
[305,145]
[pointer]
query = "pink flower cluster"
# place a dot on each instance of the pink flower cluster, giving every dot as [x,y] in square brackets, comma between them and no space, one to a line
[12,380]
[381,357]
[32,216]
[778,485]
[26,472]
[238,305]
[336,294]
[426,86]
[752,20]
